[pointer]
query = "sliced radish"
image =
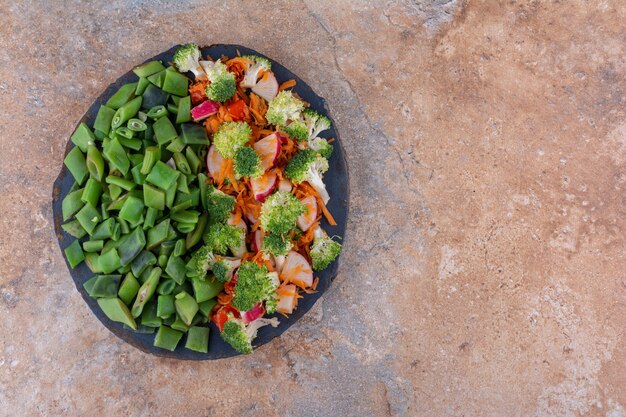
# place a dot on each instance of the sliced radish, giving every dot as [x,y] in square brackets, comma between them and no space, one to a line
[251,218]
[214,162]
[263,186]
[239,223]
[240,250]
[268,148]
[288,299]
[204,110]
[257,241]
[306,220]
[279,263]
[206,65]
[251,315]
[297,270]
[267,86]
[285,185]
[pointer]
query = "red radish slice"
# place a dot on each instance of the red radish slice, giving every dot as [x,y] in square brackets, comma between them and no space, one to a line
[297,270]
[251,218]
[263,186]
[241,224]
[285,185]
[214,162]
[306,220]
[257,241]
[288,299]
[267,86]
[268,149]
[256,312]
[204,110]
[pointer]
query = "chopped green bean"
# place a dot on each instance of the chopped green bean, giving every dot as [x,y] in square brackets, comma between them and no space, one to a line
[91,192]
[175,82]
[164,130]
[93,245]
[157,79]
[142,261]
[103,119]
[185,216]
[176,269]
[206,307]
[116,155]
[166,287]
[157,112]
[122,96]
[186,307]
[194,162]
[198,339]
[184,110]
[167,338]
[162,175]
[131,245]
[179,324]
[177,145]
[165,306]
[154,96]
[71,204]
[88,217]
[158,234]
[193,134]
[149,315]
[116,310]
[181,163]
[149,68]
[74,228]
[151,216]
[120,182]
[95,163]
[82,137]
[142,84]
[105,286]
[132,210]
[126,112]
[104,230]
[146,291]
[92,262]
[76,164]
[129,288]
[109,261]
[74,254]
[136,125]
[153,197]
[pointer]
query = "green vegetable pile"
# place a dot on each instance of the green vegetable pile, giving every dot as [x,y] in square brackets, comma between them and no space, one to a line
[135,209]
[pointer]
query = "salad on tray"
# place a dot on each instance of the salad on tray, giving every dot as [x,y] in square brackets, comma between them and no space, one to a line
[198,197]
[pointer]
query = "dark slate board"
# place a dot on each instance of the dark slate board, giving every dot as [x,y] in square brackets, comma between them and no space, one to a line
[336,181]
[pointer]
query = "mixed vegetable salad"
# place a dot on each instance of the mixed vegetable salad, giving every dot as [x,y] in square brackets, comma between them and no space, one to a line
[199,199]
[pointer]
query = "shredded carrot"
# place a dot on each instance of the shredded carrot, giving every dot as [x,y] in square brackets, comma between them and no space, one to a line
[329,217]
[224,298]
[287,84]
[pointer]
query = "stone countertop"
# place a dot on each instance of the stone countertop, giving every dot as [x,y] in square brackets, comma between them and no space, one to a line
[483,271]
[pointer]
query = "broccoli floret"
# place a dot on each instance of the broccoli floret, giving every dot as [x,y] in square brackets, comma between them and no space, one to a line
[324,250]
[255,284]
[315,123]
[200,262]
[186,59]
[222,237]
[276,244]
[321,146]
[240,336]
[230,137]
[285,106]
[297,130]
[224,268]
[257,64]
[280,211]
[247,163]
[222,83]
[308,165]
[219,205]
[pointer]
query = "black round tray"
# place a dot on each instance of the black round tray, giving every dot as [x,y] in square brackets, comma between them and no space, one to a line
[336,180]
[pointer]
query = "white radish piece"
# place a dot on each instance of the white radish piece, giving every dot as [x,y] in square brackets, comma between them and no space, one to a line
[297,270]
[263,186]
[267,86]
[306,220]
[268,149]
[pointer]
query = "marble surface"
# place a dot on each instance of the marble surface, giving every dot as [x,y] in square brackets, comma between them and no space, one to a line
[483,272]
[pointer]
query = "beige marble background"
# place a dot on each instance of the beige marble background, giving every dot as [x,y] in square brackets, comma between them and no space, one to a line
[484,270]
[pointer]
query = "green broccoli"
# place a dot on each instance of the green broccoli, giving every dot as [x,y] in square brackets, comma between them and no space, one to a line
[308,165]
[219,205]
[186,59]
[247,163]
[285,106]
[224,268]
[321,146]
[255,284]
[276,244]
[324,250]
[315,123]
[297,130]
[222,237]
[252,72]
[230,137]
[280,212]
[200,262]
[222,84]
[240,336]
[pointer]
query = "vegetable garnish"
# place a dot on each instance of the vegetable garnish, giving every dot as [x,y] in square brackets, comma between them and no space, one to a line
[198,197]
